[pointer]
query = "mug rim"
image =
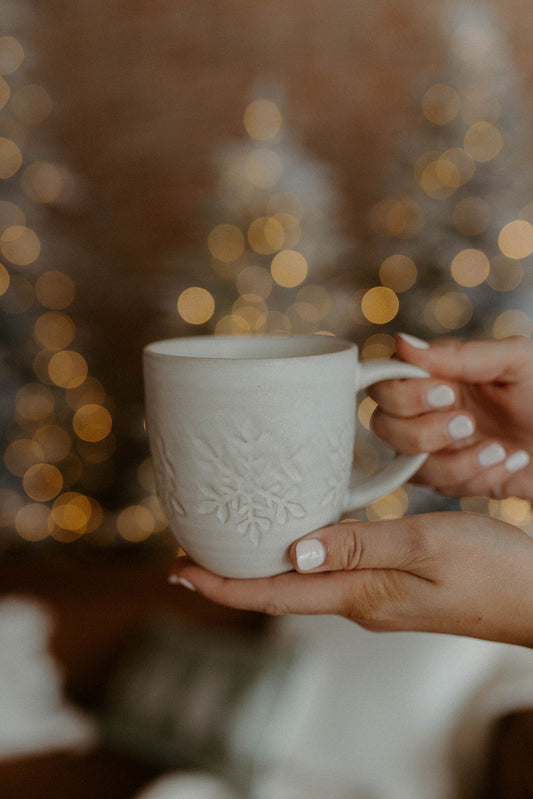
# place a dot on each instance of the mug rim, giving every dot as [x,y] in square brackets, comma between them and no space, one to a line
[168,349]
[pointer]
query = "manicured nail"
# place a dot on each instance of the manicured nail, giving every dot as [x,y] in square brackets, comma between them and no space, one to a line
[310,553]
[517,461]
[175,580]
[440,396]
[414,341]
[489,456]
[460,427]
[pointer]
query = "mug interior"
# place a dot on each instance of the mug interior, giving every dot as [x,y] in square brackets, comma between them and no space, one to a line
[249,347]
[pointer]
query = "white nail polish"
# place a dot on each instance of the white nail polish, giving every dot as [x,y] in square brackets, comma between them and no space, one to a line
[460,427]
[440,396]
[414,341]
[310,553]
[175,580]
[517,461]
[489,456]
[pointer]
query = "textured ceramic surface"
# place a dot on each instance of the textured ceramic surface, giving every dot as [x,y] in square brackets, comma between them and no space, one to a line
[252,442]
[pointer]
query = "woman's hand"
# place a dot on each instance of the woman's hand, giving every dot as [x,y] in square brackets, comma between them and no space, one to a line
[474,415]
[457,573]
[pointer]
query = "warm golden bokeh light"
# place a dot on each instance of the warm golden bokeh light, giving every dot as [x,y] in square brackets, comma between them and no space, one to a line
[391,506]
[441,104]
[54,441]
[401,218]
[262,119]
[470,267]
[380,305]
[264,168]
[453,310]
[365,410]
[54,330]
[505,273]
[31,522]
[11,55]
[196,305]
[226,243]
[10,214]
[379,345]
[55,290]
[232,325]
[92,422]
[289,268]
[266,235]
[513,323]
[42,182]
[20,245]
[135,523]
[255,281]
[67,369]
[34,402]
[10,158]
[4,279]
[42,482]
[312,303]
[398,272]
[90,391]
[483,141]
[72,511]
[516,239]
[21,454]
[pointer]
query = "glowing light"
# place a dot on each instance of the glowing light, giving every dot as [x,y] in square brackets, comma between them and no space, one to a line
[54,330]
[232,325]
[266,235]
[11,55]
[42,482]
[391,506]
[31,522]
[67,369]
[453,310]
[5,93]
[92,422]
[54,441]
[470,267]
[312,303]
[292,231]
[264,168]
[254,280]
[513,510]
[32,104]
[380,345]
[401,218]
[441,104]
[439,179]
[380,305]
[20,245]
[10,214]
[21,454]
[483,141]
[135,523]
[289,268]
[285,202]
[398,272]
[254,312]
[10,158]
[365,410]
[90,391]
[471,216]
[196,305]
[505,273]
[516,239]
[72,511]
[42,182]
[55,290]
[4,279]
[455,167]
[513,323]
[262,119]
[34,402]
[226,243]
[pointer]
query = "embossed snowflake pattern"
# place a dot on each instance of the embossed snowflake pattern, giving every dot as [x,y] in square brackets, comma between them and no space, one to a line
[339,453]
[247,486]
[166,477]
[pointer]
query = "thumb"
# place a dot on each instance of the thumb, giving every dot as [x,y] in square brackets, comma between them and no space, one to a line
[400,544]
[508,360]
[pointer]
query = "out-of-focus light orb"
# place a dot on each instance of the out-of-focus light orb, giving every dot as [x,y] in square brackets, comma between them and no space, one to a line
[34,402]
[18,297]
[4,279]
[253,312]
[10,214]
[285,202]
[289,268]
[505,273]
[67,369]
[11,55]
[455,167]
[54,441]
[42,482]
[379,345]
[196,305]
[5,93]
[232,325]
[72,511]
[470,267]
[391,506]
[380,305]
[54,330]
[262,119]
[42,182]
[398,272]
[439,179]
[55,290]
[266,235]
[92,422]
[90,391]
[20,245]
[483,141]
[513,510]
[226,243]
[513,323]
[264,168]
[365,410]
[516,239]
[254,280]
[10,158]
[32,104]
[292,231]
[312,303]
[22,453]
[471,216]
[453,310]
[441,104]
[40,365]
[135,523]
[401,218]
[31,522]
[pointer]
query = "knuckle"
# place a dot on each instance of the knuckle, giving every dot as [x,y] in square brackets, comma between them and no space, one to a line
[376,602]
[350,548]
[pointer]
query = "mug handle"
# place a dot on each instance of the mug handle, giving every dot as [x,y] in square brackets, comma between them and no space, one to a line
[402,467]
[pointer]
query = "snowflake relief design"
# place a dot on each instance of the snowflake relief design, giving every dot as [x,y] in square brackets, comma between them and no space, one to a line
[339,454]
[166,477]
[247,485]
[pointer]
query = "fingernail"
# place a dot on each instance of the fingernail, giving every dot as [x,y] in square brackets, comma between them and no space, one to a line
[460,427]
[440,396]
[310,553]
[414,341]
[488,456]
[175,580]
[517,461]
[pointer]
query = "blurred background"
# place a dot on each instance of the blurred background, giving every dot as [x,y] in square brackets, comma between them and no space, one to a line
[170,168]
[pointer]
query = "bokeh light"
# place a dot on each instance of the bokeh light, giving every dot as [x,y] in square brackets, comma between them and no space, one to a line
[67,369]
[483,141]
[34,402]
[20,245]
[513,323]
[516,239]
[55,290]
[42,182]
[42,482]
[254,281]
[31,521]
[505,273]
[441,104]
[135,523]
[264,168]
[380,305]
[54,330]
[398,272]
[11,55]
[196,305]
[262,119]
[266,235]
[470,267]
[226,243]
[289,268]
[92,422]
[10,158]
[4,279]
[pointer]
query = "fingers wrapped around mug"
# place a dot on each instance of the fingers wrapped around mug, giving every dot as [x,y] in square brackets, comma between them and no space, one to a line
[429,432]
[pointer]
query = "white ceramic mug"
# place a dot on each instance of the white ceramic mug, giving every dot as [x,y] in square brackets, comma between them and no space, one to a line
[252,441]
